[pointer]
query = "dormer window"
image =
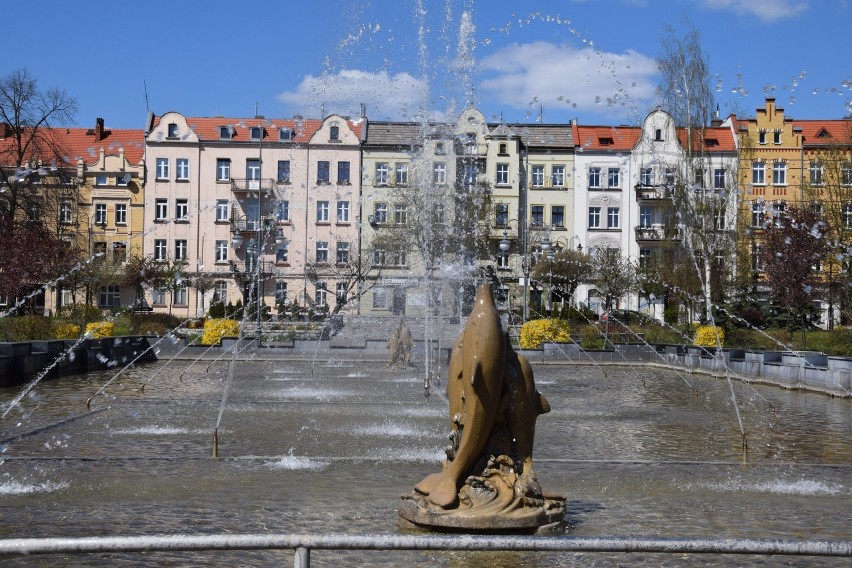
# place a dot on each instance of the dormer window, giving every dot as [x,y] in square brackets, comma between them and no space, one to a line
[711,142]
[658,134]
[503,149]
[439,147]
[609,141]
[334,133]
[285,134]
[225,133]
[256,132]
[172,130]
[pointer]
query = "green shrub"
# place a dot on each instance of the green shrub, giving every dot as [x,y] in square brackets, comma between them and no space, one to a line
[26,328]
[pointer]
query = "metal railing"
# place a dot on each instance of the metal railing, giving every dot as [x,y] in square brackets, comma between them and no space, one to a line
[303,544]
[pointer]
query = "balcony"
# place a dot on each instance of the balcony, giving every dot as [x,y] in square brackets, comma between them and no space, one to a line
[651,192]
[658,233]
[242,185]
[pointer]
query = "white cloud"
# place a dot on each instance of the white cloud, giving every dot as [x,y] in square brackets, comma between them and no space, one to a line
[766,10]
[388,97]
[561,75]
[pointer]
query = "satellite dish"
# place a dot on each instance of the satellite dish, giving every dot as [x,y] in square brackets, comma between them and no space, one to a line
[126,177]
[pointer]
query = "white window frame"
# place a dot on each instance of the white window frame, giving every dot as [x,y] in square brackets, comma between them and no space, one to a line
[594,217]
[182,169]
[222,251]
[779,173]
[594,177]
[223,169]
[613,217]
[502,174]
[161,209]
[322,211]
[162,168]
[120,213]
[181,209]
[613,178]
[402,173]
[181,249]
[321,252]
[161,250]
[537,175]
[381,173]
[557,175]
[223,210]
[758,173]
[342,253]
[342,211]
[439,173]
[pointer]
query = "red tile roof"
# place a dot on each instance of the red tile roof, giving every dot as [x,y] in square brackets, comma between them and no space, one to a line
[67,145]
[825,132]
[207,128]
[619,138]
[716,139]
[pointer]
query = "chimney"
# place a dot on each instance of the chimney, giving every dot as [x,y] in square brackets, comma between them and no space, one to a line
[363,110]
[99,129]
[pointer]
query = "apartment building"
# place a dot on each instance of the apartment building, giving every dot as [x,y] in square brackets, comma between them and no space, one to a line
[243,208]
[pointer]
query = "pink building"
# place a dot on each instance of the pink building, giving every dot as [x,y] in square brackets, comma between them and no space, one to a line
[247,208]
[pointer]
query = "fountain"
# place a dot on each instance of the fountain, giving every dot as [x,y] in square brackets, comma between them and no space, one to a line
[488,482]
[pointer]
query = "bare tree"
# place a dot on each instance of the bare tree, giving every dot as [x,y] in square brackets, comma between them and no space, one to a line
[567,270]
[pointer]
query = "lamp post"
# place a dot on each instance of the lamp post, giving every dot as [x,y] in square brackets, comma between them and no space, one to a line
[505,245]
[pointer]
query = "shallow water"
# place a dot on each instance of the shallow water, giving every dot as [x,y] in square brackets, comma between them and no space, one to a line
[315,448]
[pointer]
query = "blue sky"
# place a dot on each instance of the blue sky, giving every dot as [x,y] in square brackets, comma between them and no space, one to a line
[592,60]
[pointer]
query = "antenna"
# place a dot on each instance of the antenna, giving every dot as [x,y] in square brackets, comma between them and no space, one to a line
[145,86]
[255,109]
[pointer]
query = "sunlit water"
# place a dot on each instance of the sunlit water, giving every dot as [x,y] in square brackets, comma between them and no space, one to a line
[319,449]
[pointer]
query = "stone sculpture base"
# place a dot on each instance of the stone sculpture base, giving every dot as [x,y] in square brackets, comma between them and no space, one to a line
[489,503]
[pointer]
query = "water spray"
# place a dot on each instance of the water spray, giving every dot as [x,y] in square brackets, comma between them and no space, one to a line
[215,442]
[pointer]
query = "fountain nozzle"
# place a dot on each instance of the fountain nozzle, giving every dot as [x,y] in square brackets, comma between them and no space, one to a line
[215,442]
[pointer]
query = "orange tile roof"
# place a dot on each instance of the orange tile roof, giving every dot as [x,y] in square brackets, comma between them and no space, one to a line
[71,144]
[825,132]
[618,138]
[207,128]
[716,139]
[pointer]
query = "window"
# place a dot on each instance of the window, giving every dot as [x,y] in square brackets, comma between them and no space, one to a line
[538,176]
[557,216]
[846,173]
[119,251]
[501,214]
[537,215]
[594,217]
[612,214]
[380,213]
[380,298]
[334,133]
[256,133]
[342,211]
[758,173]
[719,219]
[670,176]
[322,252]
[321,294]
[502,174]
[122,180]
[646,177]
[847,215]
[343,173]
[698,178]
[285,134]
[182,167]
[471,171]
[66,212]
[438,213]
[159,296]
[221,210]
[756,214]
[658,134]
[400,214]
[172,130]
[594,177]
[439,148]
[34,213]
[401,173]
[757,257]
[100,249]
[381,173]
[121,214]
[180,249]
[221,251]
[558,176]
[646,216]
[110,297]
[180,296]
[220,291]
[340,292]
[225,132]
[283,171]
[282,211]
[719,178]
[439,173]
[160,250]
[614,178]
[101,180]
[322,211]
[816,172]
[378,257]
[181,210]
[502,259]
[779,210]
[253,173]
[776,137]
[161,209]
[644,258]
[503,149]
[323,175]
[761,136]
[779,173]
[280,292]
[162,168]
[101,214]
[223,170]
[282,253]
[342,256]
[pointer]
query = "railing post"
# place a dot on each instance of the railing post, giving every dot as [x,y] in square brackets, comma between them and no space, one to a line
[303,558]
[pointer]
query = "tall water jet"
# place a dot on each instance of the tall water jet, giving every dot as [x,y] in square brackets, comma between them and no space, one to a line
[487,483]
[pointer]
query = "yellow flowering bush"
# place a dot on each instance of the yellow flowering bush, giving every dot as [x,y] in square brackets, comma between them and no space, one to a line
[217,328]
[535,332]
[706,336]
[99,329]
[67,331]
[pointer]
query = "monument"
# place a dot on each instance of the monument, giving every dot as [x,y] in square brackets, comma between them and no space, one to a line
[487,483]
